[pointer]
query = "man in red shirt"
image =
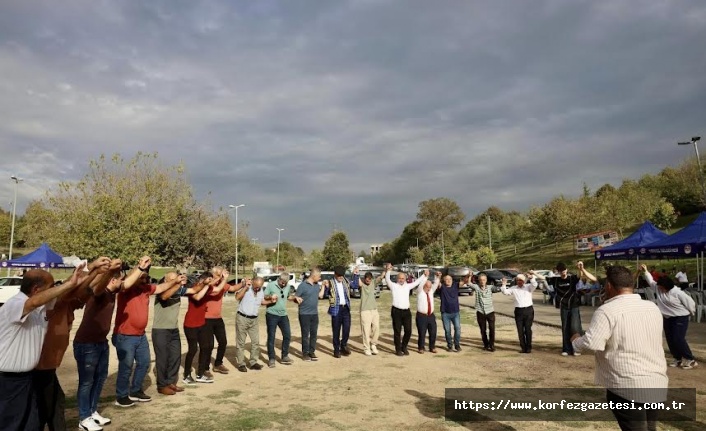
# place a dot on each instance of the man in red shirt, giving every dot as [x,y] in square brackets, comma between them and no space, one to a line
[215,327]
[129,333]
[194,323]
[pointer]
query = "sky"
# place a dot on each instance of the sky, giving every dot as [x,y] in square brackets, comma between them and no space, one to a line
[322,115]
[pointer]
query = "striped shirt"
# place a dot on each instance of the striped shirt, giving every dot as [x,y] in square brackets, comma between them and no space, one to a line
[484,298]
[672,303]
[626,334]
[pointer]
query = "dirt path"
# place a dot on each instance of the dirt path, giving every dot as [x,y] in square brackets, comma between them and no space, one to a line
[381,392]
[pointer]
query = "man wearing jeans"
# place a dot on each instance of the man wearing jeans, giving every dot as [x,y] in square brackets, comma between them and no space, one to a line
[91,350]
[307,296]
[129,336]
[451,313]
[276,317]
[569,299]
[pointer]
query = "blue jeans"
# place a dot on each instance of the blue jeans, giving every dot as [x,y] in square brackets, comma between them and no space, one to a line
[92,364]
[132,350]
[273,322]
[570,325]
[447,319]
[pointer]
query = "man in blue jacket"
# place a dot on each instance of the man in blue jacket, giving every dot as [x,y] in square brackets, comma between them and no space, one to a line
[340,311]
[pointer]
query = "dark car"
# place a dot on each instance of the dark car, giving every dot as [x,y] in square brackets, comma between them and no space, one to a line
[460,274]
[510,274]
[495,278]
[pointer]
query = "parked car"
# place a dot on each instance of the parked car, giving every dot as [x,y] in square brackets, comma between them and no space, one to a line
[511,275]
[495,278]
[458,273]
[9,287]
[293,283]
[355,293]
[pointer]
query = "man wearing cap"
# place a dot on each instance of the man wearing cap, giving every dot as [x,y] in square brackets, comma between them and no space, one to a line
[340,311]
[524,308]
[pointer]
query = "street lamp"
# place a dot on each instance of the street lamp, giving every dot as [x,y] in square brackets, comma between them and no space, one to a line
[443,250]
[14,210]
[235,207]
[279,233]
[693,142]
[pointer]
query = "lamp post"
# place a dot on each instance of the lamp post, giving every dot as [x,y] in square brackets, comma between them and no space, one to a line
[693,142]
[279,233]
[235,207]
[443,250]
[17,180]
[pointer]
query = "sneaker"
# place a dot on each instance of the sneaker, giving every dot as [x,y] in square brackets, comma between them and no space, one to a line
[675,363]
[188,380]
[100,420]
[689,365]
[577,354]
[345,351]
[368,353]
[208,374]
[287,360]
[204,379]
[399,353]
[124,402]
[405,351]
[374,349]
[89,424]
[256,367]
[337,354]
[271,363]
[141,397]
[313,357]
[306,358]
[457,348]
[242,368]
[221,369]
[450,349]
[564,353]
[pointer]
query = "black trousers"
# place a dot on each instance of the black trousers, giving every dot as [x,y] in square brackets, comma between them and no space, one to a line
[523,319]
[167,355]
[309,324]
[341,321]
[196,339]
[216,328]
[426,323]
[18,402]
[487,322]
[401,319]
[633,419]
[51,400]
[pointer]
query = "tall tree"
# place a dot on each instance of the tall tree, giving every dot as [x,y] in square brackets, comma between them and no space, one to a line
[336,251]
[436,216]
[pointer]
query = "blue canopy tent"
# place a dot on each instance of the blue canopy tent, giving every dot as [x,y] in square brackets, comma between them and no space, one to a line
[688,242]
[630,247]
[43,257]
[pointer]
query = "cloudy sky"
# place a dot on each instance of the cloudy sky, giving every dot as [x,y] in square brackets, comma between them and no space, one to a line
[348,113]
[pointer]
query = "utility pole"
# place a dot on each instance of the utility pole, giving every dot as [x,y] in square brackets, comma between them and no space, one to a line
[490,237]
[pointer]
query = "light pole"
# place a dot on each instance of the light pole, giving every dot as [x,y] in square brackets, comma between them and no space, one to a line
[443,250]
[693,142]
[14,211]
[235,207]
[279,233]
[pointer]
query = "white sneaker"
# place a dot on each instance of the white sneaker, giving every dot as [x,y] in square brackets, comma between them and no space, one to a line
[100,420]
[89,424]
[204,379]
[564,354]
[577,354]
[675,363]
[368,353]
[374,349]
[689,365]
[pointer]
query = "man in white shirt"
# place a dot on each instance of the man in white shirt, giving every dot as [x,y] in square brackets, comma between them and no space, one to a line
[626,334]
[426,321]
[682,279]
[340,311]
[524,308]
[401,316]
[247,325]
[23,326]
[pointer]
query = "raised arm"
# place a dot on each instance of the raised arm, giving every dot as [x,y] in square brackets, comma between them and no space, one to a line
[504,289]
[181,280]
[532,283]
[171,284]
[99,270]
[101,284]
[45,296]
[237,287]
[585,273]
[224,281]
[418,282]
[652,284]
[241,292]
[137,271]
[203,290]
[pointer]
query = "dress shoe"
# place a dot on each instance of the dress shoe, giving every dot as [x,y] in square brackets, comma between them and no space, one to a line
[336,354]
[166,391]
[176,388]
[345,351]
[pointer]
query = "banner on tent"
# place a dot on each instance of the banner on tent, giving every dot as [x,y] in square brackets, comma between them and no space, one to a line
[595,241]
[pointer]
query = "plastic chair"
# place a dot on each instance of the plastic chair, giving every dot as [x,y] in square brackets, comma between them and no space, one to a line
[700,306]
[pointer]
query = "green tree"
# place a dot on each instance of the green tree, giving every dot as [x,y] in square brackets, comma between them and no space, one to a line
[315,258]
[436,216]
[336,251]
[433,254]
[416,255]
[664,216]
[486,256]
